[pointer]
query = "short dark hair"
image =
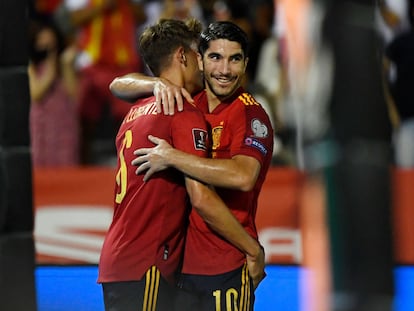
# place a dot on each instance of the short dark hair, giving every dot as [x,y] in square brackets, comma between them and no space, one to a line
[158,42]
[223,30]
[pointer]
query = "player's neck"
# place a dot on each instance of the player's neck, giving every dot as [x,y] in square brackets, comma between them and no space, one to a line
[174,76]
[213,100]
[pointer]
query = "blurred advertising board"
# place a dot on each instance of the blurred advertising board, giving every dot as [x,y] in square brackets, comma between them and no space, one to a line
[73,209]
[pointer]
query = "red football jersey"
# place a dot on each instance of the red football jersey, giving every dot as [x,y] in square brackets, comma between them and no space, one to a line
[150,218]
[239,126]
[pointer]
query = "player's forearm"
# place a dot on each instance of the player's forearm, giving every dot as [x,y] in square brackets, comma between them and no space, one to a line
[83,16]
[234,233]
[38,90]
[216,214]
[39,86]
[226,173]
[69,74]
[133,86]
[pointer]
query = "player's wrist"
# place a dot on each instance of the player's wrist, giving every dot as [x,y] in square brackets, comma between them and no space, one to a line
[172,157]
[256,252]
[158,85]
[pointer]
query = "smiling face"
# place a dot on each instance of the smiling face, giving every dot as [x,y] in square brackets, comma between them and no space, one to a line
[224,65]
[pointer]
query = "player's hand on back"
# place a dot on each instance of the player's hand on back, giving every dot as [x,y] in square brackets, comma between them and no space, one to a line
[152,160]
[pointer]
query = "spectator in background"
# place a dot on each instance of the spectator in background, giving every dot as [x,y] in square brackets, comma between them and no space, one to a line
[262,18]
[177,9]
[46,7]
[106,37]
[391,18]
[54,126]
[400,54]
[268,89]
[182,9]
[256,19]
[269,75]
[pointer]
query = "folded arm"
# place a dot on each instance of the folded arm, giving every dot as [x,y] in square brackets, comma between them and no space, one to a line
[215,213]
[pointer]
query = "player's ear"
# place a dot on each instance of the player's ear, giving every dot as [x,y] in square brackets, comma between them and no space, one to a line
[200,62]
[246,61]
[180,56]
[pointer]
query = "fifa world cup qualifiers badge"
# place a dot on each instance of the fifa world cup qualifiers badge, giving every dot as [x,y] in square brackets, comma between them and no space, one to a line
[200,139]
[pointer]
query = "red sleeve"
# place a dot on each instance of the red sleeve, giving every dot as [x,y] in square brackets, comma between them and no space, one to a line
[189,132]
[252,132]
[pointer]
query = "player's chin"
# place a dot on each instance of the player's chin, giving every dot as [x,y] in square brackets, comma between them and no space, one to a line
[225,92]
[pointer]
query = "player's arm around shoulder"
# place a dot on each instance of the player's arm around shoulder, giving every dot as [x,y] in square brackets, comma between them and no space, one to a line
[169,97]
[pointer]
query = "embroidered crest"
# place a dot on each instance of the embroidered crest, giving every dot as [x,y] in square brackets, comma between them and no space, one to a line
[216,136]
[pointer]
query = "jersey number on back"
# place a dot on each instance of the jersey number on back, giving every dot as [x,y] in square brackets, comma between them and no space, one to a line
[122,174]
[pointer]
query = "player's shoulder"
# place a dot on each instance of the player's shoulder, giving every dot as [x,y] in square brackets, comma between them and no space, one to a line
[190,108]
[247,103]
[248,100]
[144,101]
[190,113]
[249,108]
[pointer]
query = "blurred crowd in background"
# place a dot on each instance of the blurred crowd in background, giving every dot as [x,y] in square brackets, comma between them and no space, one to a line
[77,47]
